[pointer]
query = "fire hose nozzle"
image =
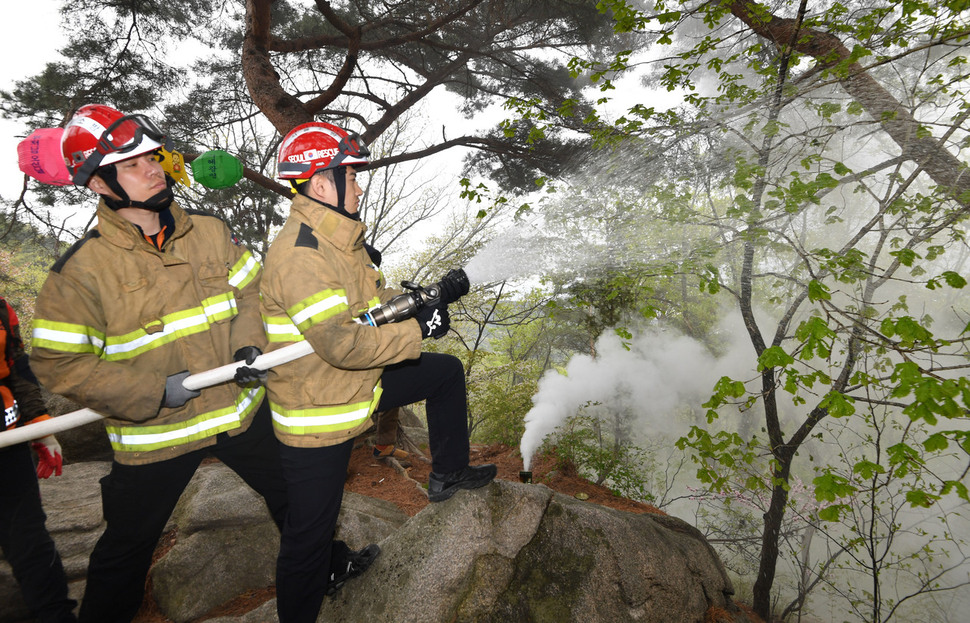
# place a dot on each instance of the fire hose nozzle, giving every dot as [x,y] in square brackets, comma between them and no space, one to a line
[452,286]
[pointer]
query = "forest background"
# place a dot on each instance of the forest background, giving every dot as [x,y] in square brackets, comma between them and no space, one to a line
[718,249]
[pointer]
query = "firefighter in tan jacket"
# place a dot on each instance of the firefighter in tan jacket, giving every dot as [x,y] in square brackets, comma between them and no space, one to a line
[318,279]
[150,295]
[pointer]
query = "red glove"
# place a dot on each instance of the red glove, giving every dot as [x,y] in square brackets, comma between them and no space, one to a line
[49,459]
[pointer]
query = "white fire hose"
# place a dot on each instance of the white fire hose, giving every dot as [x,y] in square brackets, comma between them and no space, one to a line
[194,381]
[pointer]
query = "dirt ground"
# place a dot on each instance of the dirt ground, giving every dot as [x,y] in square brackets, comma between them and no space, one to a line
[368,476]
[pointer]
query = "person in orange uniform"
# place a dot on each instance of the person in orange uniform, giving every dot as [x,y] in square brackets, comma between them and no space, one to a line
[24,539]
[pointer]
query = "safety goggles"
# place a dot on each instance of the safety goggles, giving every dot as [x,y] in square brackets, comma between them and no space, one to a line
[144,127]
[350,146]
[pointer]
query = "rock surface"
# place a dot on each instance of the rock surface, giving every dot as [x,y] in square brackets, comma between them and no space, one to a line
[506,552]
[523,553]
[225,541]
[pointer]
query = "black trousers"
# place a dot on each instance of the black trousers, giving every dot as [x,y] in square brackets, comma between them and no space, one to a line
[137,501]
[315,478]
[25,542]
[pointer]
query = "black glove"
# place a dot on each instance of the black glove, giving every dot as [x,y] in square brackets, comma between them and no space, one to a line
[454,285]
[375,255]
[176,394]
[244,374]
[434,321]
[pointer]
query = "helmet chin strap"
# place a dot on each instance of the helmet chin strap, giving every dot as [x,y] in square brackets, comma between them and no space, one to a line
[340,184]
[156,203]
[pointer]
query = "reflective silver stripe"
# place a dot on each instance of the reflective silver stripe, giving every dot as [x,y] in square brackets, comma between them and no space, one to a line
[134,441]
[67,337]
[278,328]
[321,420]
[155,438]
[244,272]
[220,307]
[148,338]
[173,327]
[320,306]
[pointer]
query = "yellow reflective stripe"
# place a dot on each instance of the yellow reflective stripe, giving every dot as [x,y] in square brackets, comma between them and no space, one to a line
[372,304]
[323,419]
[173,326]
[244,271]
[155,437]
[318,308]
[64,336]
[281,329]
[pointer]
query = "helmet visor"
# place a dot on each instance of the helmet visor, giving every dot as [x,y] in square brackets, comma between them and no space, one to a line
[120,139]
[351,147]
[123,142]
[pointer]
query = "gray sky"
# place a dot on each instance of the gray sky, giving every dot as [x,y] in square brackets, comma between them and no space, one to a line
[29,38]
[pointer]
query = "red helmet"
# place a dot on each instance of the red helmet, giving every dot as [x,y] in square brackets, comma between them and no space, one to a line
[318,146]
[98,135]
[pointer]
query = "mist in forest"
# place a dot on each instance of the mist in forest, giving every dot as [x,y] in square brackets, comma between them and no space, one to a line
[654,376]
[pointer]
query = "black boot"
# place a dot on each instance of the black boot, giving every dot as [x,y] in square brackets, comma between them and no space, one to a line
[354,564]
[443,486]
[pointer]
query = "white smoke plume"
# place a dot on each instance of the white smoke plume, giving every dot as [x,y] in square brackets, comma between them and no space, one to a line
[659,373]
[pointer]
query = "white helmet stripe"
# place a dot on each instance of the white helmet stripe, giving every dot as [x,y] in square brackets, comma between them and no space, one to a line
[90,125]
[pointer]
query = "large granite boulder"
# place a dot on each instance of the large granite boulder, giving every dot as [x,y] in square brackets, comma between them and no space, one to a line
[505,552]
[523,553]
[227,542]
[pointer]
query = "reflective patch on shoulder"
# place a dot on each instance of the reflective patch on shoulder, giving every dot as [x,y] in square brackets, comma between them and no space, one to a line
[306,238]
[62,260]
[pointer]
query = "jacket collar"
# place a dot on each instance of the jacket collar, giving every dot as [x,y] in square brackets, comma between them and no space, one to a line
[121,232]
[344,233]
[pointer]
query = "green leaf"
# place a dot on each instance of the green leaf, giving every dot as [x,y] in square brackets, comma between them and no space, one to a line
[954,280]
[830,487]
[818,291]
[960,488]
[936,442]
[816,338]
[831,513]
[774,357]
[867,469]
[906,256]
[837,404]
[920,498]
[841,169]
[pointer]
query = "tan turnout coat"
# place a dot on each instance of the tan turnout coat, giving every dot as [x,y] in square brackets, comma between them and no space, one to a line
[317,279]
[116,317]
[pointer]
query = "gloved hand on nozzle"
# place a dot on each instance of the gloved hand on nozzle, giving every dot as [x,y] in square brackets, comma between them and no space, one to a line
[245,374]
[434,321]
[454,285]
